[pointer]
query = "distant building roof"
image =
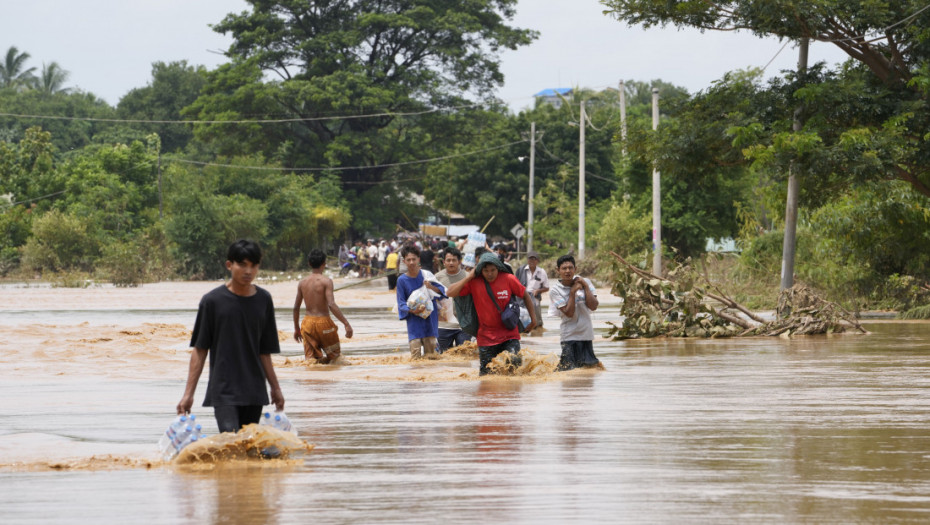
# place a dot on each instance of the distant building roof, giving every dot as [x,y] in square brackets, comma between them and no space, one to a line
[552,92]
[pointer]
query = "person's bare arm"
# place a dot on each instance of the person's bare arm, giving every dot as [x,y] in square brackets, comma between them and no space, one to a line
[194,369]
[590,300]
[334,308]
[569,308]
[276,396]
[455,289]
[297,303]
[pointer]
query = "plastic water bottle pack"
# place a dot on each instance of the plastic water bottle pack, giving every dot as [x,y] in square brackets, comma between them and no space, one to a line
[277,420]
[183,431]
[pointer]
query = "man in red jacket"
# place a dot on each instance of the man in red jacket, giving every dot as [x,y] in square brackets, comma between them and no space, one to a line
[490,278]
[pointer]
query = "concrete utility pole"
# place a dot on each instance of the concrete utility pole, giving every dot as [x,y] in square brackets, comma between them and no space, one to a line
[791,206]
[622,119]
[656,197]
[161,213]
[581,184]
[529,221]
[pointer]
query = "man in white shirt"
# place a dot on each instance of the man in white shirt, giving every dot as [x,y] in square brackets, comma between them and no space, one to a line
[373,257]
[382,254]
[573,298]
[450,332]
[536,281]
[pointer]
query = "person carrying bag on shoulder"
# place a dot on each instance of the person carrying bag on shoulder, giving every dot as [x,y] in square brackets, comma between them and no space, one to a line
[492,289]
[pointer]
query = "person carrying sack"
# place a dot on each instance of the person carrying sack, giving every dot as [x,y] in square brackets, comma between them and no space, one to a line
[492,288]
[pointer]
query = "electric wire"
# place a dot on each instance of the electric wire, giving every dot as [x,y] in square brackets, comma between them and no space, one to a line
[343,168]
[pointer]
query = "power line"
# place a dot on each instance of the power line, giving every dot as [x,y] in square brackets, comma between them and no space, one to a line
[344,168]
[11,204]
[587,173]
[245,121]
[776,55]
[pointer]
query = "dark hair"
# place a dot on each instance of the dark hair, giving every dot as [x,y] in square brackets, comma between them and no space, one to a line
[453,251]
[408,249]
[244,250]
[564,259]
[480,250]
[316,258]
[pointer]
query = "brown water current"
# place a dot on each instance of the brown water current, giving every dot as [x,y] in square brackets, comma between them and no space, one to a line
[810,429]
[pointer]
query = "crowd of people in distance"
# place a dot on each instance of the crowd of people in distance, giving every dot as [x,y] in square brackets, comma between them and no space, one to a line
[235,325]
[435,264]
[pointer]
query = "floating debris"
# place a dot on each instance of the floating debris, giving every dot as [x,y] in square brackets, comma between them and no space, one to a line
[683,305]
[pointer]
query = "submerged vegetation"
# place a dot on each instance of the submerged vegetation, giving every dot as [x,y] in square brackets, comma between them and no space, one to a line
[686,304]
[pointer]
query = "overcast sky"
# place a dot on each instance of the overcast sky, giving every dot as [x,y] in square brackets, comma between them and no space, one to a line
[108,46]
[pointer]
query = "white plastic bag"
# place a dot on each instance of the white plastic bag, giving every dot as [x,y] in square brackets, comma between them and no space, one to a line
[423,296]
[525,316]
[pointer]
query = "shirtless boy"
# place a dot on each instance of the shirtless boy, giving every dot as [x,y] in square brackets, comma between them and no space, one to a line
[318,332]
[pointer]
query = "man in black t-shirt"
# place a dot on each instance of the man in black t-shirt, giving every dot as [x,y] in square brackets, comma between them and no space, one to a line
[236,326]
[426,259]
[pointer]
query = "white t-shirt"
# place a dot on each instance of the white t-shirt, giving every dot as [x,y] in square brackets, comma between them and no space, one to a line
[536,281]
[446,313]
[579,327]
[373,252]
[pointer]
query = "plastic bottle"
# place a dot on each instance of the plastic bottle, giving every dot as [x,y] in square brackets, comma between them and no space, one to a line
[182,437]
[281,422]
[166,443]
[191,438]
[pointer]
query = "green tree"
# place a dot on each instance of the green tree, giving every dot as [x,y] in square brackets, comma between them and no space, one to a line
[209,207]
[112,187]
[487,173]
[52,80]
[702,174]
[869,117]
[67,135]
[13,71]
[27,169]
[364,60]
[60,241]
[174,86]
[15,229]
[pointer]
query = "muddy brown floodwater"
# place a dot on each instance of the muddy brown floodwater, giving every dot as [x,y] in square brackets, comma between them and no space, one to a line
[813,429]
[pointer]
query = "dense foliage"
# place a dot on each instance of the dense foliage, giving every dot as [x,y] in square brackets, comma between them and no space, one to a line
[339,120]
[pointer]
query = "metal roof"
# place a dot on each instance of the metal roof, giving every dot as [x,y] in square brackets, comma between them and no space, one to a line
[552,92]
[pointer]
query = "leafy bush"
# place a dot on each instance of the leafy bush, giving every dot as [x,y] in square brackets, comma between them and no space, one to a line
[123,264]
[15,228]
[60,242]
[624,233]
[201,228]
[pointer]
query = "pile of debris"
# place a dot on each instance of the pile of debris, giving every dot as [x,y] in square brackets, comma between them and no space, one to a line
[686,304]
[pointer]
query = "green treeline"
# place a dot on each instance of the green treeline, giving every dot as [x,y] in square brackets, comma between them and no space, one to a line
[329,120]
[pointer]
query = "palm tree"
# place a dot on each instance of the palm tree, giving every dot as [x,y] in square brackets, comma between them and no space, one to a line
[12,74]
[52,79]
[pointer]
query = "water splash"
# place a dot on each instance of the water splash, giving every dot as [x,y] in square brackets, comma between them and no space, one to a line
[526,363]
[246,445]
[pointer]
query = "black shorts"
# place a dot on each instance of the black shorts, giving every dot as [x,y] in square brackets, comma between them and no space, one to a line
[230,418]
[577,354]
[449,337]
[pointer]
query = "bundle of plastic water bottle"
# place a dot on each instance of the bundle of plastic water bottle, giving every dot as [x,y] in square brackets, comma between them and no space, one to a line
[183,431]
[279,421]
[475,240]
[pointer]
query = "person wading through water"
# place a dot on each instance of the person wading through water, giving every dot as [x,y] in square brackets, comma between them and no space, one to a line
[493,336]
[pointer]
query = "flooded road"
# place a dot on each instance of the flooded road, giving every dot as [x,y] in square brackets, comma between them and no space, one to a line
[813,429]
